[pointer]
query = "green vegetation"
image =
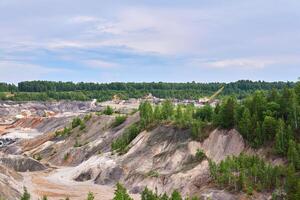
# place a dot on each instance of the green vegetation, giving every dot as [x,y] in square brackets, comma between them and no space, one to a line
[65,132]
[153,173]
[121,193]
[90,196]
[250,173]
[200,155]
[87,117]
[49,90]
[44,198]
[75,123]
[121,143]
[108,110]
[25,195]
[37,157]
[120,119]
[66,156]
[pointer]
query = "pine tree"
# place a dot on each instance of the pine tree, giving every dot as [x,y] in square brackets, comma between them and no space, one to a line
[175,195]
[291,185]
[245,125]
[146,114]
[26,195]
[281,138]
[167,110]
[293,155]
[121,193]
[227,113]
[90,196]
[269,127]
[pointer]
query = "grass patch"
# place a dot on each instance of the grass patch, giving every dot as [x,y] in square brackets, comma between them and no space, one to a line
[119,120]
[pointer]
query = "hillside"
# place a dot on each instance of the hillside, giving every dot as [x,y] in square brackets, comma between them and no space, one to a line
[245,149]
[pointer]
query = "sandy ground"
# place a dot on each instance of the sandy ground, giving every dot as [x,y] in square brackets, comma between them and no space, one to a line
[49,183]
[2,129]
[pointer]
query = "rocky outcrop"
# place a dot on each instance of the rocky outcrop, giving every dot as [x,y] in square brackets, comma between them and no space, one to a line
[10,183]
[222,143]
[20,163]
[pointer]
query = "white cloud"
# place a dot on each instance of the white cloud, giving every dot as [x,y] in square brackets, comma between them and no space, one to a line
[12,71]
[96,63]
[241,63]
[246,63]
[83,19]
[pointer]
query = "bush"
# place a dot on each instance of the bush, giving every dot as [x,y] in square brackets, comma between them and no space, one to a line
[76,122]
[87,117]
[121,143]
[25,195]
[82,126]
[119,120]
[108,111]
[66,156]
[200,155]
[90,196]
[153,173]
[64,132]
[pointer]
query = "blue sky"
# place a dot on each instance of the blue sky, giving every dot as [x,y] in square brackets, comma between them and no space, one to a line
[174,41]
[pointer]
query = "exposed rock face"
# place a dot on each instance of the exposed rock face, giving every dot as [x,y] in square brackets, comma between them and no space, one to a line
[211,194]
[10,183]
[162,159]
[21,163]
[221,144]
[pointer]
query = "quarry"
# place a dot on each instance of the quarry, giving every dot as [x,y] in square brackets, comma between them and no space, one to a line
[34,156]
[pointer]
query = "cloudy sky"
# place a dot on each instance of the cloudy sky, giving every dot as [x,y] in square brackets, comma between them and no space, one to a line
[148,40]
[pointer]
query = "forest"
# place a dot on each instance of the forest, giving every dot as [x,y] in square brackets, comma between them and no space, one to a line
[265,119]
[50,90]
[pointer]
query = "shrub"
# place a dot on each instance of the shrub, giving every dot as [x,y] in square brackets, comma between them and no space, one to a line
[153,173]
[200,155]
[25,195]
[76,122]
[37,157]
[82,126]
[121,143]
[90,196]
[64,132]
[108,110]
[66,156]
[87,117]
[119,120]
[121,193]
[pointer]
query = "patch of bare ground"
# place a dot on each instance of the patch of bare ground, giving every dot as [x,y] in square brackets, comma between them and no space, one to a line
[39,184]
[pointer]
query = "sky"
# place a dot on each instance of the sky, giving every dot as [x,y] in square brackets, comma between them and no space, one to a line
[149,40]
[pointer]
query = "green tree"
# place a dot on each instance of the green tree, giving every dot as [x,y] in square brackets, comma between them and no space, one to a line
[227,113]
[121,193]
[90,196]
[280,138]
[293,154]
[146,114]
[205,113]
[167,110]
[175,195]
[269,127]
[245,124]
[291,185]
[108,110]
[148,195]
[25,195]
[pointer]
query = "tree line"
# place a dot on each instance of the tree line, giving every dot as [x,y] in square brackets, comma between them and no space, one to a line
[50,90]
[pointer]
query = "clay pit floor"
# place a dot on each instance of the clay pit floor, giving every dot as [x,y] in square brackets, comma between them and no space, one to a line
[42,183]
